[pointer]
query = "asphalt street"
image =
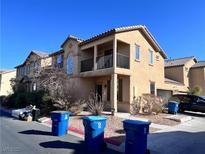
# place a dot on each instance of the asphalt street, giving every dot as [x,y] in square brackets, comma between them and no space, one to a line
[33,138]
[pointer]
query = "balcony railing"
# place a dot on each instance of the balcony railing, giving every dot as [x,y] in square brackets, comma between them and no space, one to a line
[87,65]
[123,61]
[105,62]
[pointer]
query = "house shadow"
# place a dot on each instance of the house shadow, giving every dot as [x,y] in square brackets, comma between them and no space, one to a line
[177,142]
[194,114]
[35,132]
[77,148]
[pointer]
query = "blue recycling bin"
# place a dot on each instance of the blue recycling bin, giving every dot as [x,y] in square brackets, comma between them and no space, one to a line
[59,122]
[136,136]
[94,132]
[173,107]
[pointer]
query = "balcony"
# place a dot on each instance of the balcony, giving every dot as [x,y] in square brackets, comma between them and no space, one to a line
[87,65]
[123,61]
[104,62]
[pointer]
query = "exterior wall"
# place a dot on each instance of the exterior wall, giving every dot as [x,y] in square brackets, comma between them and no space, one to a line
[5,85]
[141,72]
[71,48]
[175,73]
[46,62]
[197,78]
[187,67]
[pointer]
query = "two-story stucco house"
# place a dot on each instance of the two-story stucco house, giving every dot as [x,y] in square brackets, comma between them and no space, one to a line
[34,61]
[119,64]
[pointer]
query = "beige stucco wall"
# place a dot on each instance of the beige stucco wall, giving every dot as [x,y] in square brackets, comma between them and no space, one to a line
[142,73]
[197,78]
[71,48]
[5,87]
[175,73]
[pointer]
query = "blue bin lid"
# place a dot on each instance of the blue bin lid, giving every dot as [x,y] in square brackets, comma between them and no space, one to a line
[136,122]
[94,118]
[60,112]
[174,102]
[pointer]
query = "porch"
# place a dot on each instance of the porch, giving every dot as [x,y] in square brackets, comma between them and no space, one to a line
[114,90]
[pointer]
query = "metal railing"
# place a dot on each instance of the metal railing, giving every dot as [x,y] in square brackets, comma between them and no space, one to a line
[123,61]
[87,65]
[105,62]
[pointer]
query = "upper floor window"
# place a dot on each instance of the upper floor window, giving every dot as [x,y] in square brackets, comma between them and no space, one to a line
[152,88]
[70,65]
[137,52]
[150,57]
[59,61]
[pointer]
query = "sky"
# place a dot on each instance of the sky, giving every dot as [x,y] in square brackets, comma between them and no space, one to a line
[177,25]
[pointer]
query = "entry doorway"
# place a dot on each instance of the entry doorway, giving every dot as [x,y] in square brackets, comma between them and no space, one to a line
[99,91]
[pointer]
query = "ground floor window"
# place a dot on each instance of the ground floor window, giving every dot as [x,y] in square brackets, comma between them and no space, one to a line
[152,88]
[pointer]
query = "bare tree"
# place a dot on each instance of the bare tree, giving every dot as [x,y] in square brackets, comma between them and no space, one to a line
[59,85]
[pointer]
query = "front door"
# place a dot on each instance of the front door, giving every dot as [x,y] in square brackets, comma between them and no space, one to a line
[99,91]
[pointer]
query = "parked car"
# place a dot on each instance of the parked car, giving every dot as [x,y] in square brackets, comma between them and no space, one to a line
[190,102]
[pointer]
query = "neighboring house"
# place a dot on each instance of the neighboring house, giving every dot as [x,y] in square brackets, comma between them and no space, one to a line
[197,76]
[33,62]
[186,71]
[5,83]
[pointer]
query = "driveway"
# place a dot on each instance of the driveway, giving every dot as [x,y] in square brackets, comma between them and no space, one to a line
[186,138]
[31,138]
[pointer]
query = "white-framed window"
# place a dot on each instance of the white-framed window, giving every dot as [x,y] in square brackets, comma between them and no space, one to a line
[151,57]
[70,65]
[137,52]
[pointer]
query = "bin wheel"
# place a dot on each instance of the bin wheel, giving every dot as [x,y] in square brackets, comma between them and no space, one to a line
[147,151]
[181,110]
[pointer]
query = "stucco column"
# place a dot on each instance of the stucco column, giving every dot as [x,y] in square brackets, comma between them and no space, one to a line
[114,53]
[114,92]
[132,92]
[95,58]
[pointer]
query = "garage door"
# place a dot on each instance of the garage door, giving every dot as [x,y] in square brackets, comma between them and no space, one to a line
[165,94]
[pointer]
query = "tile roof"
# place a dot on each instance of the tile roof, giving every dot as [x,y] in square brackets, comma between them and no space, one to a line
[173,81]
[6,71]
[178,62]
[40,53]
[73,38]
[56,52]
[199,64]
[141,28]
